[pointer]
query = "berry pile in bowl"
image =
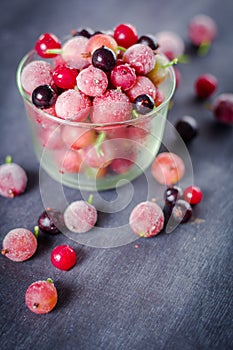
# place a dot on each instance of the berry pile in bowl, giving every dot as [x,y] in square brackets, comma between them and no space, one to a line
[97,104]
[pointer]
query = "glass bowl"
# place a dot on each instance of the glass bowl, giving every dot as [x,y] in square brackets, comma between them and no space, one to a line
[125,149]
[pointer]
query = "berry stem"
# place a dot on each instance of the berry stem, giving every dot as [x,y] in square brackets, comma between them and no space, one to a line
[55,51]
[134,114]
[204,48]
[49,280]
[36,231]
[121,48]
[90,199]
[99,141]
[171,63]
[8,159]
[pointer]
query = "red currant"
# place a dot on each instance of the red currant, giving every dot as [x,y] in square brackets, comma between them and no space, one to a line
[65,77]
[125,35]
[205,85]
[192,195]
[47,41]
[63,257]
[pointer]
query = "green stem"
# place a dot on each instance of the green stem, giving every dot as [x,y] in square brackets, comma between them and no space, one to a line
[171,63]
[90,199]
[134,114]
[36,231]
[204,48]
[49,280]
[121,48]
[99,141]
[55,51]
[8,159]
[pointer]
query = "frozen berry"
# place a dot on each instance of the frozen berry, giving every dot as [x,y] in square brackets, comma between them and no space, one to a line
[41,296]
[80,216]
[19,244]
[13,179]
[44,96]
[187,128]
[72,52]
[141,58]
[34,74]
[123,76]
[143,85]
[112,106]
[205,85]
[182,211]
[193,195]
[170,44]
[77,137]
[73,105]
[202,29]
[146,219]
[63,257]
[125,35]
[99,40]
[92,81]
[223,108]
[168,168]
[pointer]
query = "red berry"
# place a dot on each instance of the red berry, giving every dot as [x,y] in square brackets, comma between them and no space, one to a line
[223,108]
[192,195]
[65,77]
[205,85]
[123,76]
[168,168]
[125,35]
[63,257]
[47,41]
[41,296]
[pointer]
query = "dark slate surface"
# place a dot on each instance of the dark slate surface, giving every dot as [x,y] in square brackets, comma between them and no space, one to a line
[173,291]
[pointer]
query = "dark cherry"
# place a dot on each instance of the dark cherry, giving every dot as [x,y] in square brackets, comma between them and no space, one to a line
[187,128]
[44,96]
[48,220]
[143,104]
[149,40]
[82,32]
[104,58]
[182,211]
[172,194]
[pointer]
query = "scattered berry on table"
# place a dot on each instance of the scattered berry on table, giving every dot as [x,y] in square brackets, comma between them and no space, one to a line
[182,211]
[48,220]
[172,194]
[41,296]
[223,108]
[192,195]
[146,219]
[13,179]
[63,257]
[19,244]
[168,168]
[205,85]
[80,216]
[202,30]
[187,128]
